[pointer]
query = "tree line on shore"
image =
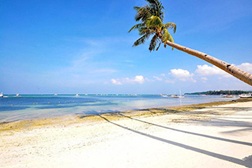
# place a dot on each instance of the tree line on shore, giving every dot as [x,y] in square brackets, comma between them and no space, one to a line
[220,92]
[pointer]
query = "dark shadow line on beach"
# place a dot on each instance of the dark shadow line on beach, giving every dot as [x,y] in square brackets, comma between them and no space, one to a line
[205,152]
[232,108]
[195,110]
[237,130]
[188,132]
[226,122]
[242,118]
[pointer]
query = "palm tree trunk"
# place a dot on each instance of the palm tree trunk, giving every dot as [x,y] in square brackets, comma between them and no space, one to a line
[231,69]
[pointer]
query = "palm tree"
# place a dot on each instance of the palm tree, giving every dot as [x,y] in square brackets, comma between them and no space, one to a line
[150,18]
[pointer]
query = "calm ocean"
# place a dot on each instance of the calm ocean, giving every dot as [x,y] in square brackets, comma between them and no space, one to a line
[26,106]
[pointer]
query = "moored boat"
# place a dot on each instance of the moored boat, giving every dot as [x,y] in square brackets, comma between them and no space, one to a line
[177,96]
[163,95]
[228,96]
[246,95]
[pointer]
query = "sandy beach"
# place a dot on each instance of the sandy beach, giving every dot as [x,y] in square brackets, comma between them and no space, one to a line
[219,136]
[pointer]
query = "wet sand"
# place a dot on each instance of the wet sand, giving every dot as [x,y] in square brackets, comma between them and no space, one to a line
[218,136]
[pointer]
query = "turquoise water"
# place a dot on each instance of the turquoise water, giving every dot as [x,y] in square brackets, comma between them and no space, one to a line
[26,106]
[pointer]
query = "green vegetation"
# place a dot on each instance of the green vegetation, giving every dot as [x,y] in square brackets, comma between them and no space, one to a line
[220,92]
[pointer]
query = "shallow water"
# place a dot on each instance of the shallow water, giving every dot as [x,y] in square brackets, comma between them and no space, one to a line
[43,106]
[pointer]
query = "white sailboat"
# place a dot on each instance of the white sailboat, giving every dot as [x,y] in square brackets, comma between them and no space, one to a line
[164,95]
[246,95]
[174,96]
[1,95]
[228,96]
[177,96]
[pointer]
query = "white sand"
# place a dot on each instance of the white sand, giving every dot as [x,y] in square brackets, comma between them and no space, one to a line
[144,142]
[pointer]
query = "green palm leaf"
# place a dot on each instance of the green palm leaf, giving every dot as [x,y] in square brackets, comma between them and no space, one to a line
[167,36]
[142,13]
[141,40]
[171,25]
[156,8]
[151,24]
[137,26]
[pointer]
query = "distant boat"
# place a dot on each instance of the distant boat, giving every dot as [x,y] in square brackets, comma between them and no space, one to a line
[177,96]
[248,95]
[1,95]
[174,96]
[77,95]
[17,94]
[228,96]
[164,95]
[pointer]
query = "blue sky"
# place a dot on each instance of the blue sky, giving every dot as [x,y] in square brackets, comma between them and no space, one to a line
[82,46]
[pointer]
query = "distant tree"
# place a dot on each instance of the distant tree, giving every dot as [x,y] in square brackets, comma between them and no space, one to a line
[220,92]
[150,23]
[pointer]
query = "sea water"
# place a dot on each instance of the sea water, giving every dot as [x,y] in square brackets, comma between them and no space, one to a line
[21,107]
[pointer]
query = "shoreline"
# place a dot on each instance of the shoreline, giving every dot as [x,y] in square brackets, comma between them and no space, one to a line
[53,108]
[215,136]
[74,119]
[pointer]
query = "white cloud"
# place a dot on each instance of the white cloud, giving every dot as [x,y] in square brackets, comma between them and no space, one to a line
[137,79]
[206,70]
[182,74]
[246,67]
[203,73]
[116,82]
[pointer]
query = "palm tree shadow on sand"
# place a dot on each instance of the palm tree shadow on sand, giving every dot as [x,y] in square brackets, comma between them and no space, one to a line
[247,161]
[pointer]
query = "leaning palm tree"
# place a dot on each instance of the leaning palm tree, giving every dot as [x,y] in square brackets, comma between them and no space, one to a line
[150,23]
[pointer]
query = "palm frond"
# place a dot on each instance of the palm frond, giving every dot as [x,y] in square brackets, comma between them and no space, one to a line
[154,21]
[159,44]
[150,18]
[142,13]
[145,30]
[141,40]
[156,8]
[136,8]
[153,42]
[137,26]
[167,36]
[171,25]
